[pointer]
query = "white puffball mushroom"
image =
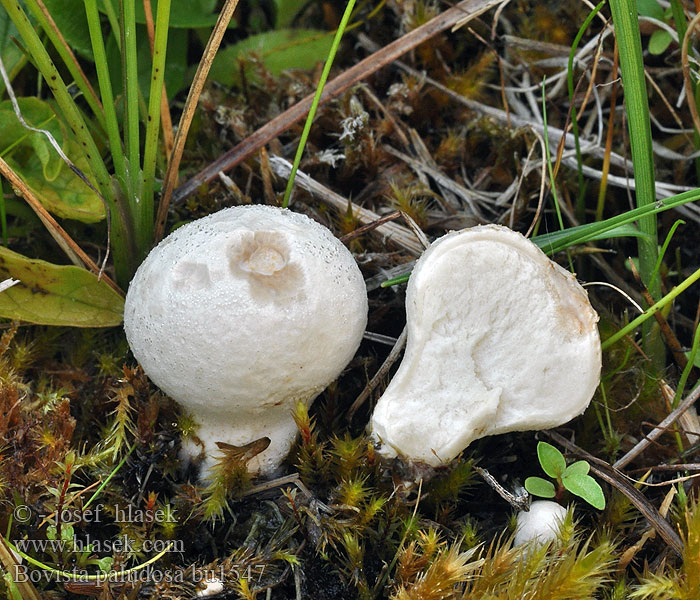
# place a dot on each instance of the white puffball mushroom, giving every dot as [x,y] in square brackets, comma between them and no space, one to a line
[500,339]
[240,315]
[541,523]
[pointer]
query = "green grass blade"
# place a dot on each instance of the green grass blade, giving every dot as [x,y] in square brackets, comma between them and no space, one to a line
[131,114]
[45,65]
[68,59]
[121,237]
[316,100]
[625,20]
[150,152]
[649,312]
[3,215]
[686,371]
[105,83]
[580,205]
[667,241]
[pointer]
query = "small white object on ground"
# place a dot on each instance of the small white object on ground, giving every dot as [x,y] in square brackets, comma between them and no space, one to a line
[6,284]
[541,523]
[240,315]
[211,588]
[500,339]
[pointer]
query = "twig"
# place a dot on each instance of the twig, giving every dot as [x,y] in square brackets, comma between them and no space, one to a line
[74,252]
[379,375]
[440,178]
[659,430]
[334,88]
[543,182]
[348,237]
[188,114]
[687,82]
[398,234]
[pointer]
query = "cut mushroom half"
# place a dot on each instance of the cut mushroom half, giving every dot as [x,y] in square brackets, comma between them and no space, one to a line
[500,339]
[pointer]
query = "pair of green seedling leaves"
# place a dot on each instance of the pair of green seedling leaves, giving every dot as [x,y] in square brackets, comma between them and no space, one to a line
[574,478]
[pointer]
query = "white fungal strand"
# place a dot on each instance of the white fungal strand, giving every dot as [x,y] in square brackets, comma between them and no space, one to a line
[239,315]
[500,339]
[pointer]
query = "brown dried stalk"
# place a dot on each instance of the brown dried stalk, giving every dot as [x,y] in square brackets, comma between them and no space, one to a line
[460,13]
[188,114]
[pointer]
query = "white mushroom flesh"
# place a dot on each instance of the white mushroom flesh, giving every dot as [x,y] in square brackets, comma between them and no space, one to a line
[500,339]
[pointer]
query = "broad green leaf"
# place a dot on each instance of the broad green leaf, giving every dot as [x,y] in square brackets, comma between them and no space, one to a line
[650,8]
[56,295]
[286,11]
[67,196]
[551,459]
[69,16]
[11,54]
[540,487]
[577,469]
[587,488]
[189,14]
[31,155]
[20,143]
[105,564]
[696,362]
[276,50]
[659,41]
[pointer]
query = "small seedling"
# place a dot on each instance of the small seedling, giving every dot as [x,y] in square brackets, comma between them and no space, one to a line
[574,478]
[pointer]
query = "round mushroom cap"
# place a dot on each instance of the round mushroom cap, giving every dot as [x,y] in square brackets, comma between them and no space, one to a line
[500,338]
[541,523]
[248,308]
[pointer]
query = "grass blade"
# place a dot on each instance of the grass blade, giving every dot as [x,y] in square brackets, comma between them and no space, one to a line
[105,82]
[188,113]
[160,44]
[316,100]
[130,76]
[122,243]
[42,15]
[626,22]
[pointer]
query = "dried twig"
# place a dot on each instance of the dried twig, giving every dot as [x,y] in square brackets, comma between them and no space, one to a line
[380,374]
[183,128]
[348,237]
[660,429]
[461,12]
[687,81]
[74,252]
[393,232]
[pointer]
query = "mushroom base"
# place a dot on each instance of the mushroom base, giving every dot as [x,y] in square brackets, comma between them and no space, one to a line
[278,425]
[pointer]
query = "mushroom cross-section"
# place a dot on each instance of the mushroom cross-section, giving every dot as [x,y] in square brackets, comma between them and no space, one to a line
[240,315]
[500,338]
